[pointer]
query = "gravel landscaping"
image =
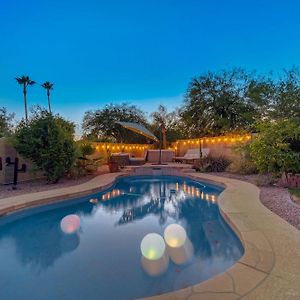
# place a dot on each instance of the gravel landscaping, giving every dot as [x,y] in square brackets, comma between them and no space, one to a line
[275,198]
[39,186]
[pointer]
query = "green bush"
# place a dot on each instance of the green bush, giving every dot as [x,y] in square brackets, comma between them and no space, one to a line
[213,164]
[48,141]
[86,149]
[83,164]
[275,149]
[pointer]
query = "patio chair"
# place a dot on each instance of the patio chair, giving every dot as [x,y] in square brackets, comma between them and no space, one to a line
[138,161]
[166,156]
[191,155]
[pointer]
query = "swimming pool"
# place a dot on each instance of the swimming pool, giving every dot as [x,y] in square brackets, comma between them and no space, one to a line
[98,255]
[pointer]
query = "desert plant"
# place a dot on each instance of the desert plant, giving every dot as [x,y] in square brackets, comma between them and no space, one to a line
[85,165]
[242,166]
[213,164]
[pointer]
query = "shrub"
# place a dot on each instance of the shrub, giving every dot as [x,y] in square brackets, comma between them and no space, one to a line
[86,149]
[275,149]
[213,164]
[47,141]
[83,164]
[242,166]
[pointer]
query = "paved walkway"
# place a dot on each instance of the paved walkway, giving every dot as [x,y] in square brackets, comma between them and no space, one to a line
[270,267]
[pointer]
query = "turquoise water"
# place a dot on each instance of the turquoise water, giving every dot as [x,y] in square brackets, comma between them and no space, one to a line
[103,259]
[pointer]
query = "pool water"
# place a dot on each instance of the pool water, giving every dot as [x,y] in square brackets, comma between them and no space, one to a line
[42,259]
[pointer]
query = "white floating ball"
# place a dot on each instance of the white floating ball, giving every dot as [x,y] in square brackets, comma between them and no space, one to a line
[70,224]
[153,246]
[175,235]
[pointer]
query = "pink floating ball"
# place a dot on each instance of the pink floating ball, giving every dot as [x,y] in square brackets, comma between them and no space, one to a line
[70,224]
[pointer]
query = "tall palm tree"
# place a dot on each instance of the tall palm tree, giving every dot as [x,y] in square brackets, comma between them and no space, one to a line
[48,86]
[25,81]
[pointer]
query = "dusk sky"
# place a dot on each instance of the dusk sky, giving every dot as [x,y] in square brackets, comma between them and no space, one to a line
[141,52]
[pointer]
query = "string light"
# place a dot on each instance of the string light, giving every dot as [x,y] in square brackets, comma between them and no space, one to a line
[229,139]
[117,147]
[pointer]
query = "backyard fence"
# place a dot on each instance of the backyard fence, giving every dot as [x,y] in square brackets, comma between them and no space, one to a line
[219,145]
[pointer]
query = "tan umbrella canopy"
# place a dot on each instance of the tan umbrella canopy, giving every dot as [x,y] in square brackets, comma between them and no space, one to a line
[140,129]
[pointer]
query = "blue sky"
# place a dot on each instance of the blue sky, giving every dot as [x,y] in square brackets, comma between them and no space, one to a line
[137,51]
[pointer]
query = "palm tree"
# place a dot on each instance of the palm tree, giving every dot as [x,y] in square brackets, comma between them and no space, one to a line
[25,81]
[48,86]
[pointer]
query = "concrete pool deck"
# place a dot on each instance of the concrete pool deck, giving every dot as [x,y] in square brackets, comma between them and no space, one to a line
[270,266]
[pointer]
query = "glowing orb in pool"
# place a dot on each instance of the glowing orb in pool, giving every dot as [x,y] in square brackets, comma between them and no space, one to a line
[93,200]
[70,224]
[153,246]
[175,235]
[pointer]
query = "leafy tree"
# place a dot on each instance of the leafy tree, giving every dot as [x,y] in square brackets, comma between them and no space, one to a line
[6,126]
[101,124]
[276,148]
[48,87]
[48,141]
[216,103]
[168,120]
[261,92]
[25,81]
[286,101]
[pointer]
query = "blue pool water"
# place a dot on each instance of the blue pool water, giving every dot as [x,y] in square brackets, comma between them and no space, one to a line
[103,260]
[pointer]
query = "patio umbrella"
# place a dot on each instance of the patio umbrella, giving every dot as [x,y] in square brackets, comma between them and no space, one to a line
[140,129]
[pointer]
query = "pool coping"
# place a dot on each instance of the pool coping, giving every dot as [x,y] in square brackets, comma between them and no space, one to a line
[269,268]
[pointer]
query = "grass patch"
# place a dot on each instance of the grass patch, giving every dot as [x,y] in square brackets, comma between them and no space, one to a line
[295,192]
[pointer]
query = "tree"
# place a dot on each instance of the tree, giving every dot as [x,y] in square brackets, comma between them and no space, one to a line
[25,81]
[6,126]
[218,103]
[276,147]
[286,102]
[48,87]
[101,124]
[170,121]
[48,141]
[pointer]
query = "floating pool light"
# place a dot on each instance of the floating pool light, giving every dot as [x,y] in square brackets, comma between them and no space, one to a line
[153,246]
[93,200]
[175,235]
[70,224]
